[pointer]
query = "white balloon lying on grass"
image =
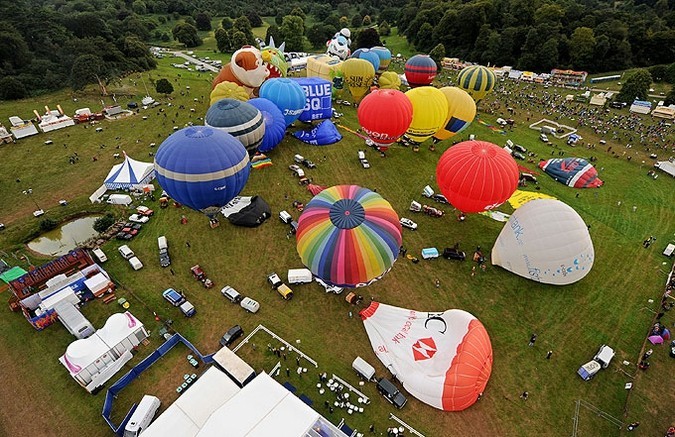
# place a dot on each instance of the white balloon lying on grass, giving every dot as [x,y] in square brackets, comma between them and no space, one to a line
[546,241]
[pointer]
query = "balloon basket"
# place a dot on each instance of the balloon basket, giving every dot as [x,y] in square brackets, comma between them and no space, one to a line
[214,223]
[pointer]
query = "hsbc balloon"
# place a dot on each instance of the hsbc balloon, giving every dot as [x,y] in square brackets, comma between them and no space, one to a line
[442,358]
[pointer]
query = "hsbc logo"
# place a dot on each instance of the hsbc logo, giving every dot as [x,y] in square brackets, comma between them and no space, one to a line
[424,349]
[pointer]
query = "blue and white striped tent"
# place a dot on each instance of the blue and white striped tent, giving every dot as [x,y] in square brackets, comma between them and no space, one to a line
[130,173]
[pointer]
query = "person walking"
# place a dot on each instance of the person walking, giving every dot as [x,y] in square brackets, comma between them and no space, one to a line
[632,426]
[548,355]
[524,396]
[533,338]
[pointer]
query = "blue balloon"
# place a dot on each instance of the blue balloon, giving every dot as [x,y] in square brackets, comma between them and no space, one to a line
[202,168]
[385,57]
[239,119]
[287,94]
[275,123]
[368,55]
[318,94]
[323,134]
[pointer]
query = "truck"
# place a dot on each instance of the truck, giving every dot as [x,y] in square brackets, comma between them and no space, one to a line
[119,199]
[299,276]
[600,361]
[164,258]
[74,320]
[142,416]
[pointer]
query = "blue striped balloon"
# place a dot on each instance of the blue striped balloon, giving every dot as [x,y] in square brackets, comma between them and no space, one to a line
[202,168]
[239,119]
[369,56]
[287,94]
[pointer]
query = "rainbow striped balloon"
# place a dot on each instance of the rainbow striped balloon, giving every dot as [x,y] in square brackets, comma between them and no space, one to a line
[348,236]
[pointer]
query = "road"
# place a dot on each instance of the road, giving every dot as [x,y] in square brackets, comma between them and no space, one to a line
[196,61]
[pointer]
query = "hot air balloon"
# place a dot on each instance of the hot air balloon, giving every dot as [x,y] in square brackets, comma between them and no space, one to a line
[323,66]
[228,90]
[444,359]
[239,119]
[430,109]
[323,134]
[420,70]
[287,94]
[274,59]
[476,80]
[573,172]
[477,176]
[385,57]
[546,241]
[358,76]
[461,111]
[318,95]
[246,68]
[275,124]
[385,115]
[369,56]
[389,80]
[202,168]
[348,236]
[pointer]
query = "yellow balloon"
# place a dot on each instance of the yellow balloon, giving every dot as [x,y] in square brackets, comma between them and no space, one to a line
[461,112]
[430,109]
[358,76]
[323,66]
[229,90]
[389,80]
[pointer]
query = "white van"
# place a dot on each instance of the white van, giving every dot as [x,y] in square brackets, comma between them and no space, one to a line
[100,256]
[135,263]
[143,415]
[250,305]
[119,199]
[364,369]
[299,276]
[162,243]
[298,158]
[285,217]
[126,252]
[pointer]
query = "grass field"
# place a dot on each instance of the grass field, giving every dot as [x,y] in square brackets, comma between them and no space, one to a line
[609,306]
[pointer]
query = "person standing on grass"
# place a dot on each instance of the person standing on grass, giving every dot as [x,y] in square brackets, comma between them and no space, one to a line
[548,355]
[533,338]
[632,426]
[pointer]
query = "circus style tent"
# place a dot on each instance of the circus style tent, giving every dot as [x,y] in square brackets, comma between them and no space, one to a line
[130,173]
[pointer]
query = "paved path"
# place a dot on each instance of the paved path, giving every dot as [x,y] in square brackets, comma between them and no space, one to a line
[196,61]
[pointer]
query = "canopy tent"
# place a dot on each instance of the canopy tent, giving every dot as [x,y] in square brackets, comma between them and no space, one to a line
[129,174]
[12,274]
[667,166]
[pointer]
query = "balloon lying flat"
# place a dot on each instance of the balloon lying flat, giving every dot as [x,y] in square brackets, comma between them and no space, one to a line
[444,359]
[573,172]
[546,241]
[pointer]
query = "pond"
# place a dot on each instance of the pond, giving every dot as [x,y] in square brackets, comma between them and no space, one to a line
[62,240]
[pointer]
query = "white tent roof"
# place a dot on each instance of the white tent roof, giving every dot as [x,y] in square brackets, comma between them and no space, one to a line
[667,166]
[82,353]
[129,173]
[96,282]
[118,327]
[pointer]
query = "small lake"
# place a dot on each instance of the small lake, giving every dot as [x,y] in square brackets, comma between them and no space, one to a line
[62,240]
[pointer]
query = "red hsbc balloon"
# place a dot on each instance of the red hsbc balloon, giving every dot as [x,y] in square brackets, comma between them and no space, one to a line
[385,115]
[477,176]
[420,70]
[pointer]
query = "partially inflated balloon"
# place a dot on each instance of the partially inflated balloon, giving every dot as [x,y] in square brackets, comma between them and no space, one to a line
[240,119]
[323,66]
[477,176]
[546,241]
[430,109]
[385,57]
[228,90]
[369,56]
[275,124]
[461,111]
[385,115]
[389,80]
[420,70]
[358,76]
[287,94]
[476,80]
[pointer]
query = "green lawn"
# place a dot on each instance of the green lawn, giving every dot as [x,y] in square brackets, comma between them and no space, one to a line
[609,306]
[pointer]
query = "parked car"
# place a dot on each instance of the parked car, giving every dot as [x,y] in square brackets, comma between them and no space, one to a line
[231,335]
[144,210]
[543,138]
[137,218]
[199,274]
[173,297]
[309,164]
[250,305]
[407,223]
[126,252]
[136,263]
[297,170]
[231,294]
[391,393]
[519,148]
[440,198]
[600,361]
[285,291]
[274,280]
[365,163]
[453,253]
[618,105]
[164,258]
[528,177]
[518,155]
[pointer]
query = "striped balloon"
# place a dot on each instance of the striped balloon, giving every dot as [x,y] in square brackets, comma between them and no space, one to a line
[239,119]
[348,236]
[476,80]
[420,70]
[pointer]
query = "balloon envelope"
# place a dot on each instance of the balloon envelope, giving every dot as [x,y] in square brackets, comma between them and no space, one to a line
[287,94]
[476,80]
[348,236]
[323,134]
[358,76]
[385,57]
[240,119]
[444,359]
[420,70]
[275,123]
[461,112]
[228,90]
[546,241]
[573,172]
[318,98]
[477,176]
[385,115]
[323,66]
[202,168]
[430,109]
[389,80]
[369,56]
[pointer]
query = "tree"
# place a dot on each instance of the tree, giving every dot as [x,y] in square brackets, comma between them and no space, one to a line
[238,39]
[293,31]
[48,224]
[203,21]
[636,86]
[298,12]
[139,7]
[13,49]
[186,34]
[423,38]
[366,21]
[85,70]
[222,40]
[368,38]
[357,20]
[583,46]
[344,21]
[275,33]
[254,18]
[670,74]
[12,88]
[103,223]
[279,19]
[388,15]
[244,26]
[226,23]
[319,34]
[670,97]
[163,86]
[384,29]
[437,54]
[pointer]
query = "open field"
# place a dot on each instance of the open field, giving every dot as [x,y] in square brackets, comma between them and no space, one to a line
[609,306]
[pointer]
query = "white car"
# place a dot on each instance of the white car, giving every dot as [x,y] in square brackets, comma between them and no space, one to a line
[407,223]
[543,137]
[365,163]
[137,218]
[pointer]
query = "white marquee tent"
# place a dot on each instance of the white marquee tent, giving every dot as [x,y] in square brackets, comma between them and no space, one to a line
[130,173]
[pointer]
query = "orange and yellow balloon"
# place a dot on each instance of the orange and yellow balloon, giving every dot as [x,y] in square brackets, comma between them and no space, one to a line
[461,112]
